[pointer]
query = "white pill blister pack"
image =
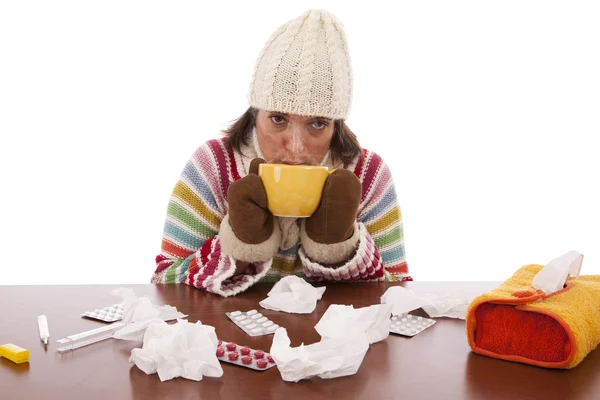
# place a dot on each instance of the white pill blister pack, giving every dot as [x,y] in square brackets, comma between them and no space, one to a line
[107,314]
[252,322]
[409,325]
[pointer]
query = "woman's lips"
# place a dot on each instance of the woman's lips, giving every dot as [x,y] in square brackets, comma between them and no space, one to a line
[289,162]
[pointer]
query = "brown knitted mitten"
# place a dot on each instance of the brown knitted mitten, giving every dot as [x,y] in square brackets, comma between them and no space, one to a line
[249,217]
[333,222]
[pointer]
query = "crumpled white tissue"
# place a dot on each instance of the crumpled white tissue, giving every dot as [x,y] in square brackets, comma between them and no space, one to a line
[139,312]
[554,275]
[329,358]
[340,320]
[293,294]
[179,350]
[452,305]
[346,333]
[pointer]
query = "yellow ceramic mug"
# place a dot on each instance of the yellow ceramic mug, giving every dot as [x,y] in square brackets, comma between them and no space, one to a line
[293,190]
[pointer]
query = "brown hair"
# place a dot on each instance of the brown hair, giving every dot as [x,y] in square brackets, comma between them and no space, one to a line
[344,144]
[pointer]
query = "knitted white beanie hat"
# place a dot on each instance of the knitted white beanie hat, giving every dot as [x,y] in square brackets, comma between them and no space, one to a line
[304,69]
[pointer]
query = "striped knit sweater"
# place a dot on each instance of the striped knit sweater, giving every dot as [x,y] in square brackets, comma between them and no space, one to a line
[191,250]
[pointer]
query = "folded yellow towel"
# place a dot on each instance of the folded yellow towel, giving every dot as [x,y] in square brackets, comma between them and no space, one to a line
[516,322]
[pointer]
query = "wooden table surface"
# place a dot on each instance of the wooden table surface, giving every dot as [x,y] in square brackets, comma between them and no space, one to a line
[435,364]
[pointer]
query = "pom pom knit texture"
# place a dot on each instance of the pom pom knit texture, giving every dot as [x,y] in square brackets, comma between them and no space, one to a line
[191,248]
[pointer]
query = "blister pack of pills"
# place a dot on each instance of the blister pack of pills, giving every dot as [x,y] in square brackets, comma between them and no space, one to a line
[409,325]
[107,314]
[252,322]
[244,356]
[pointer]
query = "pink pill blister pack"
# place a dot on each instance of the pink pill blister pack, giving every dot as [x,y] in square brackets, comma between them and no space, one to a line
[252,322]
[409,325]
[244,356]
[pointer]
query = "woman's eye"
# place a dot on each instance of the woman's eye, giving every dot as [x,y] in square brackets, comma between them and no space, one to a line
[278,119]
[319,124]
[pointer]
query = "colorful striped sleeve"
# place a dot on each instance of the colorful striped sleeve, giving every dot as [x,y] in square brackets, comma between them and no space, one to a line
[381,215]
[191,248]
[363,262]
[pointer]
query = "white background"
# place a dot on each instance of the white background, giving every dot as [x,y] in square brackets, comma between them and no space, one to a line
[488,114]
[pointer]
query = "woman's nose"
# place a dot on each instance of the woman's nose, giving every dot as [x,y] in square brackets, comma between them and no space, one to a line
[295,142]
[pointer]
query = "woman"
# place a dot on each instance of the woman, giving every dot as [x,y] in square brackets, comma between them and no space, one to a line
[219,235]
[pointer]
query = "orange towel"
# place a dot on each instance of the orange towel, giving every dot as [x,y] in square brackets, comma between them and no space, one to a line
[516,322]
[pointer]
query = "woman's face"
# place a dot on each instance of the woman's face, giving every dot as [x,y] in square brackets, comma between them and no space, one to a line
[293,139]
